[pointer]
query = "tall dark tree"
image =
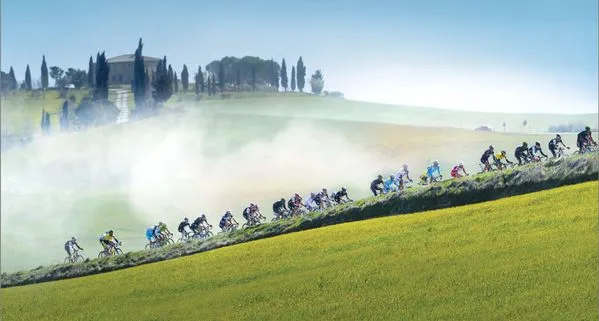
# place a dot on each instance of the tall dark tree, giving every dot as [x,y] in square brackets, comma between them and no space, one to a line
[139,77]
[28,78]
[102,72]
[284,79]
[13,79]
[201,79]
[293,78]
[64,116]
[301,74]
[209,85]
[197,83]
[90,73]
[176,83]
[44,73]
[238,80]
[254,79]
[171,78]
[43,121]
[185,79]
[221,77]
[274,82]
[163,83]
[213,85]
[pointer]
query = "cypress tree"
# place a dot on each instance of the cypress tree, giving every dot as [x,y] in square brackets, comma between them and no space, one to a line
[274,76]
[28,78]
[284,80]
[253,78]
[201,79]
[208,86]
[102,72]
[176,83]
[163,82]
[185,78]
[197,83]
[214,86]
[301,74]
[238,80]
[90,73]
[44,73]
[171,79]
[293,78]
[13,79]
[139,77]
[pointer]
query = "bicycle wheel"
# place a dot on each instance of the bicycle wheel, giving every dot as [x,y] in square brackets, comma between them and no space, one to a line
[67,260]
[79,258]
[209,234]
[118,251]
[101,254]
[148,246]
[169,241]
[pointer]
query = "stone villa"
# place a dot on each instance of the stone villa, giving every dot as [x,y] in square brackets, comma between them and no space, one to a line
[121,68]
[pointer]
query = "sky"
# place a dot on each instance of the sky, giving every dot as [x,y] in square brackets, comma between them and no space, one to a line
[494,55]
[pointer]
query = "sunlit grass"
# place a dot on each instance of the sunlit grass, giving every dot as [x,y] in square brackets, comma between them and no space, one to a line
[530,257]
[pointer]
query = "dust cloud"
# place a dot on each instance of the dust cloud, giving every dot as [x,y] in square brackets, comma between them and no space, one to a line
[127,177]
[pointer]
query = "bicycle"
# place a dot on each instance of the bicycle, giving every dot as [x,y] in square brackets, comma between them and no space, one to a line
[203,232]
[586,148]
[253,220]
[186,236]
[75,257]
[230,228]
[112,249]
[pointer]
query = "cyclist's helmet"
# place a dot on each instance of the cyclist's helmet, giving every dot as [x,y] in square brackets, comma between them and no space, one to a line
[537,143]
[491,147]
[296,195]
[73,239]
[343,189]
[461,164]
[380,177]
[392,176]
[436,163]
[313,194]
[524,144]
[503,152]
[324,190]
[203,216]
[405,166]
[588,129]
[558,137]
[186,220]
[282,200]
[228,213]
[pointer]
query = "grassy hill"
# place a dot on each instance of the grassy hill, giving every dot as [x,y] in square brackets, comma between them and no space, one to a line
[530,257]
[201,158]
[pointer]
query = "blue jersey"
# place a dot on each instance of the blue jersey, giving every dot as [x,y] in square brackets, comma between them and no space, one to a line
[149,233]
[389,184]
[431,170]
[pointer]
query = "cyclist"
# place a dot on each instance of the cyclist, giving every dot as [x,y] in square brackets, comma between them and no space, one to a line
[339,196]
[182,226]
[325,200]
[295,203]
[226,222]
[150,234]
[255,213]
[455,171]
[403,176]
[583,138]
[247,213]
[161,231]
[532,152]
[430,172]
[375,185]
[521,153]
[279,208]
[498,157]
[484,159]
[70,245]
[311,202]
[553,144]
[108,240]
[390,185]
[199,224]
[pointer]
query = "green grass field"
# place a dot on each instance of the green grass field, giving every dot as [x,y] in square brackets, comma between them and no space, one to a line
[530,257]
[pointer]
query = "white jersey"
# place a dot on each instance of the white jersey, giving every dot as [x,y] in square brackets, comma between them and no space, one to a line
[401,174]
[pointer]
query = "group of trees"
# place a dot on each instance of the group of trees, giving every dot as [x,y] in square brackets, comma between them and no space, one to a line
[62,78]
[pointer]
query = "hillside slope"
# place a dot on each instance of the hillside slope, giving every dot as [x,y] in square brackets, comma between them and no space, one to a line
[531,257]
[449,193]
